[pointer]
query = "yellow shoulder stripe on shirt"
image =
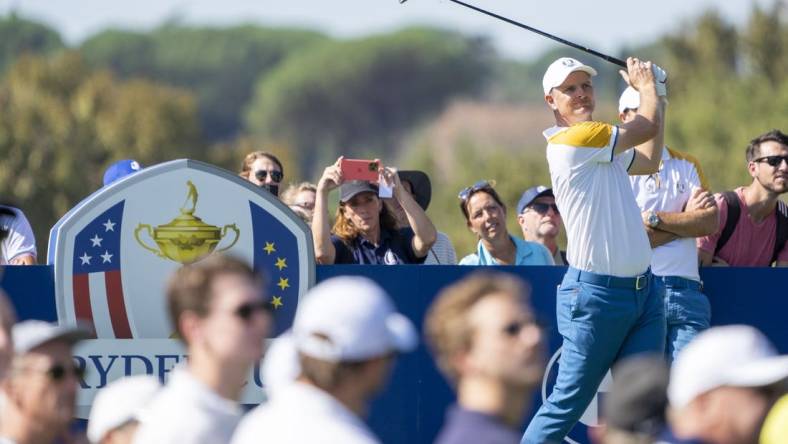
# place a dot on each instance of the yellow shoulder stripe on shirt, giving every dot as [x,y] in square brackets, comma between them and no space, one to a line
[584,135]
[694,161]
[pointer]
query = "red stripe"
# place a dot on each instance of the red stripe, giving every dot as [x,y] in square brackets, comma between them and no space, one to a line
[82,298]
[117,307]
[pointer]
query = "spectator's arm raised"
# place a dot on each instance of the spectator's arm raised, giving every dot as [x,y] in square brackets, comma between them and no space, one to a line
[424,231]
[325,253]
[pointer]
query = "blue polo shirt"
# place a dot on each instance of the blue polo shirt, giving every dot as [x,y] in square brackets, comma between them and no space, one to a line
[464,426]
[528,253]
[395,248]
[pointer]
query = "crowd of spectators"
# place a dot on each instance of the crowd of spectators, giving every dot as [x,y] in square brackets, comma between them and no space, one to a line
[639,219]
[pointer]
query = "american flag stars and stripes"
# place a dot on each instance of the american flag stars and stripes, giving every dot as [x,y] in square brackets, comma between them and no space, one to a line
[96,275]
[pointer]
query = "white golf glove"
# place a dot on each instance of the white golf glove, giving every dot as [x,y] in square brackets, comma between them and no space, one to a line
[661,79]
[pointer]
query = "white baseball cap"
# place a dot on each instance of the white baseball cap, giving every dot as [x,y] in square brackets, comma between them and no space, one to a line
[630,99]
[120,402]
[734,355]
[350,318]
[32,333]
[559,70]
[280,366]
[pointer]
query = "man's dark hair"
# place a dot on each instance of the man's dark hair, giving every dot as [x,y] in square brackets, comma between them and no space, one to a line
[754,148]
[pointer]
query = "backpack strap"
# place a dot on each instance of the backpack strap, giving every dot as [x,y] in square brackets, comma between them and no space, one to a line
[734,210]
[782,228]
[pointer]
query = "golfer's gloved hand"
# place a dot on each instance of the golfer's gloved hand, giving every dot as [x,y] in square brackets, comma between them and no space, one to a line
[660,79]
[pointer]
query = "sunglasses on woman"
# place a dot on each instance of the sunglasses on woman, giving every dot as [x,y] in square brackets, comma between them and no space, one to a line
[276,176]
[478,186]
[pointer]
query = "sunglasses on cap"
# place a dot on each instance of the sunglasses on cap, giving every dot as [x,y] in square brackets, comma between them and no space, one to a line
[58,372]
[542,208]
[245,311]
[480,185]
[276,176]
[772,160]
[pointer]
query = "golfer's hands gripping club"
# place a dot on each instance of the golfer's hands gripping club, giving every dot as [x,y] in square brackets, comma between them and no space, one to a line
[639,74]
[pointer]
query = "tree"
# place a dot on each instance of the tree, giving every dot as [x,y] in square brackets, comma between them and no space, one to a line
[64,123]
[360,97]
[20,36]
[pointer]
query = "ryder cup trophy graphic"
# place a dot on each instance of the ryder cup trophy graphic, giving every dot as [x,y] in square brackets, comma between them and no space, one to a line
[186,239]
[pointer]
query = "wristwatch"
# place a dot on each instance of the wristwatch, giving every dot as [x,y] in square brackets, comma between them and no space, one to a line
[653,219]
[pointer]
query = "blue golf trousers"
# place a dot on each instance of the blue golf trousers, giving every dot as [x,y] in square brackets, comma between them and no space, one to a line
[602,319]
[687,311]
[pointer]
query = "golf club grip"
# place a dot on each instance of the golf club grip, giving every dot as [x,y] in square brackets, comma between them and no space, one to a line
[611,59]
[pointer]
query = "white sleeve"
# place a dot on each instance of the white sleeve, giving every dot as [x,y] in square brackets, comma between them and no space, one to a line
[20,239]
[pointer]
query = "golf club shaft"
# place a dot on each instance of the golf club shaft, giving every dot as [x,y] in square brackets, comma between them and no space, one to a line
[610,59]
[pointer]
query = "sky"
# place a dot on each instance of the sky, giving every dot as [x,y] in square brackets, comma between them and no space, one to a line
[604,25]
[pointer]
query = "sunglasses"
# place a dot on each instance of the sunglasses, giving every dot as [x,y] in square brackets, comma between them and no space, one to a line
[772,160]
[59,372]
[480,185]
[514,328]
[247,310]
[276,176]
[542,208]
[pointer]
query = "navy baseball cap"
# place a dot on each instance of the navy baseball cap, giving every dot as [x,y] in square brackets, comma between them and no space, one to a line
[531,194]
[349,189]
[119,169]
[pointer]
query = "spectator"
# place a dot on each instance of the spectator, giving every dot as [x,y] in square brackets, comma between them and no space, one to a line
[347,335]
[364,231]
[417,184]
[17,242]
[540,220]
[484,337]
[301,199]
[218,310]
[723,384]
[676,208]
[120,169]
[485,216]
[607,307]
[634,410]
[264,170]
[40,391]
[118,407]
[753,222]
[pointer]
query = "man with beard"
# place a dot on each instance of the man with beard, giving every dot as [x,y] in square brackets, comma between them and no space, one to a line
[483,334]
[753,222]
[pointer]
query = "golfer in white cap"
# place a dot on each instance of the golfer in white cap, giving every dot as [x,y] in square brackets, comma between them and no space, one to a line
[346,333]
[723,384]
[41,388]
[606,308]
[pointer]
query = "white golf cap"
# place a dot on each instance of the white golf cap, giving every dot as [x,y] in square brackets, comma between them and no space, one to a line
[350,318]
[30,334]
[630,99]
[734,356]
[120,402]
[559,70]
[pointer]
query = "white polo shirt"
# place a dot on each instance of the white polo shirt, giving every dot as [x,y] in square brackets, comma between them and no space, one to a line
[187,412]
[301,413]
[669,190]
[604,227]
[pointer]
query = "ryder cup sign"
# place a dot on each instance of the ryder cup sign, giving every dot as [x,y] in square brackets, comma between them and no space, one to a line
[114,252]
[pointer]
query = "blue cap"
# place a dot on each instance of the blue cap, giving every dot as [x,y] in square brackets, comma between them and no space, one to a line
[531,194]
[119,169]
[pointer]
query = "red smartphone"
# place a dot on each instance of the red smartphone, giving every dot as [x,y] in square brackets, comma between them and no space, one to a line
[360,169]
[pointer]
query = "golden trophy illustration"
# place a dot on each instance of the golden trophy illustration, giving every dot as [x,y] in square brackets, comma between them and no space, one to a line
[186,239]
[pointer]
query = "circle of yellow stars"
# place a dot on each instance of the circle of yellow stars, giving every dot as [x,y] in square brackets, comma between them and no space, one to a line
[281,263]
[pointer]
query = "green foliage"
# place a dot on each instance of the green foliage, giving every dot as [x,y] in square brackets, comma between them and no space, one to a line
[19,36]
[219,65]
[63,123]
[361,96]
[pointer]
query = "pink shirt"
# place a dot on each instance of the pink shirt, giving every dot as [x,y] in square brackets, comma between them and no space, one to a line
[751,244]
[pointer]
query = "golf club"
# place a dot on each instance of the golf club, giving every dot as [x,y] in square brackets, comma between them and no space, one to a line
[611,59]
